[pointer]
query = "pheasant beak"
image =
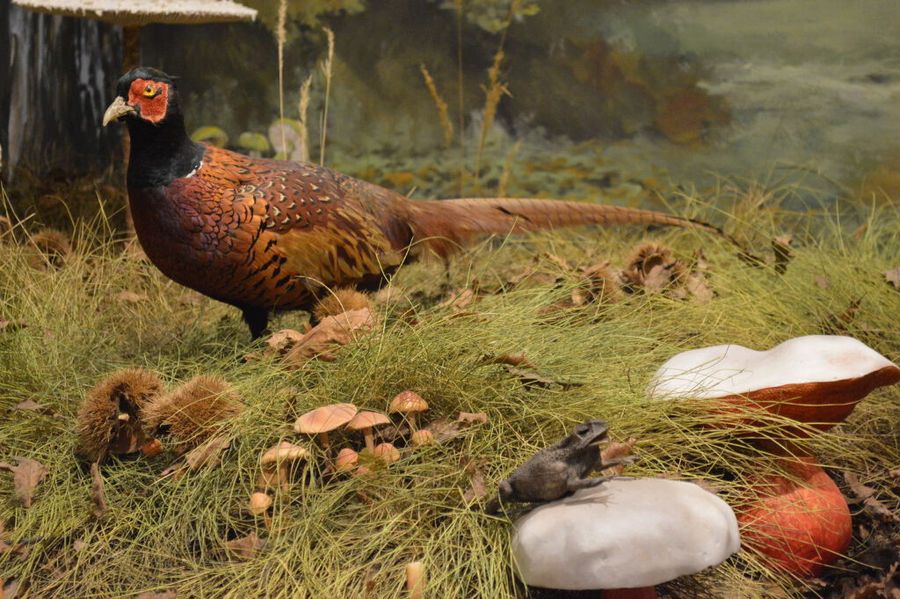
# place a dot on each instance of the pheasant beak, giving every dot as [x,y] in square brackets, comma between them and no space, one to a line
[117,110]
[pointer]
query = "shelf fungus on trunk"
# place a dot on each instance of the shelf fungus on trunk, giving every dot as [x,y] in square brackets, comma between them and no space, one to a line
[817,379]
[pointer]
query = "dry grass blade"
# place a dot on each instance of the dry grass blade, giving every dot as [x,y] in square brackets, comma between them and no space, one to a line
[439,103]
[327,68]
[303,116]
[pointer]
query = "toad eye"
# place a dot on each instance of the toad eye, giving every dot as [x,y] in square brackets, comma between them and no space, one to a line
[150,91]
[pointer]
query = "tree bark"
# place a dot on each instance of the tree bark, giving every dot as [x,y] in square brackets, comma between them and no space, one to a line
[57,75]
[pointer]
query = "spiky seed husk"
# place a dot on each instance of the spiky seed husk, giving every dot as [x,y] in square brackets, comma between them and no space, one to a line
[644,262]
[54,245]
[602,283]
[101,431]
[193,411]
[342,300]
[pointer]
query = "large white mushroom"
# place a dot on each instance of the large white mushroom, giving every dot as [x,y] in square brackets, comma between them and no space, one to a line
[817,379]
[624,537]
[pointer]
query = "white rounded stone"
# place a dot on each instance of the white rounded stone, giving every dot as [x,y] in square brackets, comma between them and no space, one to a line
[626,533]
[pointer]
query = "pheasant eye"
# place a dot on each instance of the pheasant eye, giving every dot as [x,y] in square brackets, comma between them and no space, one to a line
[150,91]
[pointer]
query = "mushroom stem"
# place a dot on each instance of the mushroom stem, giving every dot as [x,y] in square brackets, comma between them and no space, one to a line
[412,422]
[415,579]
[283,477]
[638,593]
[370,439]
[326,442]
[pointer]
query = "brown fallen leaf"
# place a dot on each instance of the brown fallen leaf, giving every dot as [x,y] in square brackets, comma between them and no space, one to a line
[26,476]
[444,429]
[781,248]
[329,335]
[892,276]
[98,495]
[472,418]
[29,405]
[388,296]
[281,342]
[459,300]
[698,287]
[867,496]
[205,455]
[477,487]
[130,297]
[10,589]
[822,282]
[517,359]
[614,450]
[157,595]
[8,326]
[245,548]
[533,379]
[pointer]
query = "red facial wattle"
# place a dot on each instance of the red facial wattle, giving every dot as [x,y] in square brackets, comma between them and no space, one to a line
[150,97]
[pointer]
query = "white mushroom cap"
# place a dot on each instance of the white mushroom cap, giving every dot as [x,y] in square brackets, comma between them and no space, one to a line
[626,533]
[816,379]
[723,370]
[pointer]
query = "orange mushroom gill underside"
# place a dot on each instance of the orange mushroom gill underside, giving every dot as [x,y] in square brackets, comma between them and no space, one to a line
[820,404]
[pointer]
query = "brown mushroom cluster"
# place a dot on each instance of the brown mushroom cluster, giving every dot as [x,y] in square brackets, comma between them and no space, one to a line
[324,421]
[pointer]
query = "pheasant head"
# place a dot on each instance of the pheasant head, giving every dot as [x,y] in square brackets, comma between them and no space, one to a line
[161,151]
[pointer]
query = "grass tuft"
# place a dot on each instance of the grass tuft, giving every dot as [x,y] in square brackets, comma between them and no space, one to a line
[344,536]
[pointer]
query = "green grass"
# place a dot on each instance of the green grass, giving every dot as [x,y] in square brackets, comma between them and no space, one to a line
[328,539]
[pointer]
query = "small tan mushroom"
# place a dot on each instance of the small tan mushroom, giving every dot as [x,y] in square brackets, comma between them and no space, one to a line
[366,421]
[259,506]
[422,437]
[280,458]
[346,460]
[323,420]
[408,403]
[386,452]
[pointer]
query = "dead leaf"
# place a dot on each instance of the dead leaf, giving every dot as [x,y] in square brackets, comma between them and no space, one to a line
[867,496]
[459,300]
[477,487]
[281,342]
[29,405]
[98,495]
[388,296]
[533,379]
[329,335]
[245,548]
[8,326]
[79,545]
[26,476]
[444,429]
[207,455]
[839,323]
[822,282]
[893,277]
[10,589]
[697,286]
[157,595]
[472,418]
[616,450]
[781,247]
[130,297]
[517,359]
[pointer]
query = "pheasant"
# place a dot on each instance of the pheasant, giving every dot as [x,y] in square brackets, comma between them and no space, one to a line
[267,235]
